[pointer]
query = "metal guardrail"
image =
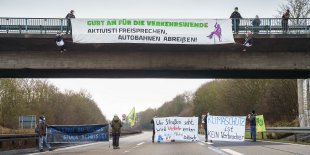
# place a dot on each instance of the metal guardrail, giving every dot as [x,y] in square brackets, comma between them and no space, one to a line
[34,25]
[271,25]
[54,25]
[35,136]
[294,130]
[285,129]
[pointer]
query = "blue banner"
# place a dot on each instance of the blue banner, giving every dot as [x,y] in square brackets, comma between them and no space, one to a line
[78,133]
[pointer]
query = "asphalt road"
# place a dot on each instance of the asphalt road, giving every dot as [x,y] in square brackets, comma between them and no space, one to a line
[142,144]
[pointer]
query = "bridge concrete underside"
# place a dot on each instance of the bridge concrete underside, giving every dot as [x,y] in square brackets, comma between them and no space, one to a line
[271,56]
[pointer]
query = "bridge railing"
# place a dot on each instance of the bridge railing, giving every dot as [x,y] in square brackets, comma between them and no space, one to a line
[54,25]
[271,25]
[33,25]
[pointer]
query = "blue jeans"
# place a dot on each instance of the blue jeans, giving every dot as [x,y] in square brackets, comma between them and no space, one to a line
[44,137]
[253,131]
[206,130]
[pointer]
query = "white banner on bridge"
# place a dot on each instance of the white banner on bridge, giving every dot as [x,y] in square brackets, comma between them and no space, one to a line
[176,128]
[226,128]
[153,31]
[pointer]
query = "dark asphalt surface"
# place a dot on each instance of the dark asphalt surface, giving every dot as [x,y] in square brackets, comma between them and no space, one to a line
[142,144]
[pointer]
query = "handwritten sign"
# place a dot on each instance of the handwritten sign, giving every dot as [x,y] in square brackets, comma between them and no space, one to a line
[226,128]
[176,128]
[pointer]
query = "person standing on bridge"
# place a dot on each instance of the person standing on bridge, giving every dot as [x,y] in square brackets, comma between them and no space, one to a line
[285,18]
[235,16]
[68,17]
[153,127]
[253,124]
[116,131]
[205,119]
[256,22]
[42,135]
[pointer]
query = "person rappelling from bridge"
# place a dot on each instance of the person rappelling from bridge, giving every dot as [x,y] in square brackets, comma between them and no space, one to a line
[60,42]
[217,31]
[249,41]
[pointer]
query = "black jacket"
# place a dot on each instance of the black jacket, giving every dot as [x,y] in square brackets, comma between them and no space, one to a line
[253,120]
[235,15]
[59,38]
[256,22]
[152,122]
[249,40]
[285,18]
[69,15]
[206,122]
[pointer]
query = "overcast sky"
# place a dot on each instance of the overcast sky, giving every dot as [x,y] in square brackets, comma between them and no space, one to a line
[138,8]
[118,96]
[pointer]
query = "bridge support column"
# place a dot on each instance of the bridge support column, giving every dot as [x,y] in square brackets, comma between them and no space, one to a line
[303,102]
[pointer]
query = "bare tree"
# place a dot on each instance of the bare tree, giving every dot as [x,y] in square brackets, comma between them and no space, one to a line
[298,8]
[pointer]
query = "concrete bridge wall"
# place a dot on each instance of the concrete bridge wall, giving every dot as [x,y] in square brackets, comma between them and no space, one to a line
[272,56]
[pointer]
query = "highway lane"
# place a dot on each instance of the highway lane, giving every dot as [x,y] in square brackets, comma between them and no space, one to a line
[142,144]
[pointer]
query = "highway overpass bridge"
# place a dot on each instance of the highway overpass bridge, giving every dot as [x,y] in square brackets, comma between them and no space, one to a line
[271,56]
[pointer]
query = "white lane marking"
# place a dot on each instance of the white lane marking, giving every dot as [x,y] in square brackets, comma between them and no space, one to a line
[201,144]
[232,152]
[70,147]
[216,150]
[140,143]
[133,147]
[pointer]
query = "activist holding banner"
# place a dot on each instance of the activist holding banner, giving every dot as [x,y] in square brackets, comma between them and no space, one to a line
[42,134]
[69,16]
[116,131]
[153,127]
[253,124]
[205,119]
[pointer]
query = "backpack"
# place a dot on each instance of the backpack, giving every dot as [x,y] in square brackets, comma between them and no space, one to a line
[37,128]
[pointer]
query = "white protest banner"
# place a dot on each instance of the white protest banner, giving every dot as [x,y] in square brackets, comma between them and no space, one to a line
[226,128]
[176,128]
[152,31]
